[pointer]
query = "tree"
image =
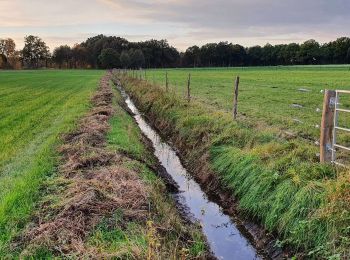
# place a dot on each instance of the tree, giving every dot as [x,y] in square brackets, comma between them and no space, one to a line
[254,55]
[109,59]
[158,53]
[192,57]
[102,52]
[15,60]
[137,59]
[340,49]
[155,53]
[61,55]
[326,54]
[3,61]
[7,52]
[237,55]
[96,44]
[34,51]
[309,52]
[223,52]
[80,56]
[290,53]
[125,59]
[7,47]
[267,55]
[209,55]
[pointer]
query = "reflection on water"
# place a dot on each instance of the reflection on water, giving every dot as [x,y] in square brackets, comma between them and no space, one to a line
[225,240]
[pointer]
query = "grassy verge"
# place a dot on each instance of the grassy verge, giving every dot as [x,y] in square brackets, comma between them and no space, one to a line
[278,181]
[35,108]
[165,236]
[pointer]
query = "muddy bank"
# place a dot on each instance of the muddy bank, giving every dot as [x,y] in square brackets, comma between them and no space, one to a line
[196,160]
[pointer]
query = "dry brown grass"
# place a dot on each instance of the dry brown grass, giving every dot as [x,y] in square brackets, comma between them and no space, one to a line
[98,186]
[86,201]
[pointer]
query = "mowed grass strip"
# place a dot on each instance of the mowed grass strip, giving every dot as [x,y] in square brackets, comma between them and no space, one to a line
[35,108]
[270,95]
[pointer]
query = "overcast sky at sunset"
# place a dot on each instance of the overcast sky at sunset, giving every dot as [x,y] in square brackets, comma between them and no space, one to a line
[182,22]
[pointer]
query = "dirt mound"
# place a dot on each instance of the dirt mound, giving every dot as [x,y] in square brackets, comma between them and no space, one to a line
[97,187]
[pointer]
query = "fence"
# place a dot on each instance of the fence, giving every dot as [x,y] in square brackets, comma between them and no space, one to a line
[329,123]
[330,126]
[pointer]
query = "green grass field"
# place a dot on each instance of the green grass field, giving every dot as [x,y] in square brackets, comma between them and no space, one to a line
[266,94]
[277,179]
[35,108]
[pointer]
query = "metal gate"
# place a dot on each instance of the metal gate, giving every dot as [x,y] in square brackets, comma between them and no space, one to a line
[336,127]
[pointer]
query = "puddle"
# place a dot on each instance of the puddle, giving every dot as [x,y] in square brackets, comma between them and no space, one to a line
[224,238]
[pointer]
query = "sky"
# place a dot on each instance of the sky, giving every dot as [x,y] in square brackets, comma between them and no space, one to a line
[182,22]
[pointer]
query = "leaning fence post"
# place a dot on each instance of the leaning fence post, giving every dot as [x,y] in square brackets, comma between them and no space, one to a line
[235,98]
[166,81]
[327,126]
[188,88]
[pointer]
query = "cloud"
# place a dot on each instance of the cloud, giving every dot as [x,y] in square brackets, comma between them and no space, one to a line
[247,22]
[183,22]
[224,13]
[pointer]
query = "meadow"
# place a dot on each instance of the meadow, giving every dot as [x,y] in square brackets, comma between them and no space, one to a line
[276,177]
[36,107]
[286,97]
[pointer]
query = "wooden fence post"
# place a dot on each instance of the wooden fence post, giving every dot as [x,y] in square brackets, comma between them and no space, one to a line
[327,126]
[166,81]
[235,98]
[188,88]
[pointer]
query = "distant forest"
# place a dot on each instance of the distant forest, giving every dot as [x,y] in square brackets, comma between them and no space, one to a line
[115,52]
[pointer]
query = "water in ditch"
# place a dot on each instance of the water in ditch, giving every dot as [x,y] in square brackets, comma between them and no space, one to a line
[223,236]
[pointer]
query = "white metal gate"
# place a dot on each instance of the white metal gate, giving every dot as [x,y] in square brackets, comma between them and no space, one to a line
[336,127]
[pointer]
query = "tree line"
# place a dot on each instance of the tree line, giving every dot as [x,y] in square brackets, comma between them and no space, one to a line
[115,52]
[308,53]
